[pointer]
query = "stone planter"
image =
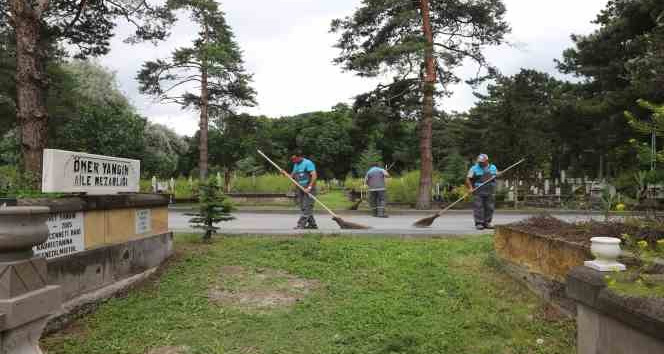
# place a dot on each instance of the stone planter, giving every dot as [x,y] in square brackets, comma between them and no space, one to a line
[606,251]
[540,262]
[26,299]
[21,228]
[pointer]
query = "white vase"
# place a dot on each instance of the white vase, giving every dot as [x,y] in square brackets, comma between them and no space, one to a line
[606,251]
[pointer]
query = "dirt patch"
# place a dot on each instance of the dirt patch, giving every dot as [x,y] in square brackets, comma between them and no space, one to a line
[259,289]
[168,350]
[580,233]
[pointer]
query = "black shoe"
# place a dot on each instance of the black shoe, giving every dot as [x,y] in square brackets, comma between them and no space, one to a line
[311,223]
[479,227]
[301,223]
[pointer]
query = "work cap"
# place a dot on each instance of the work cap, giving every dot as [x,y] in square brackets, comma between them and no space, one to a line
[482,158]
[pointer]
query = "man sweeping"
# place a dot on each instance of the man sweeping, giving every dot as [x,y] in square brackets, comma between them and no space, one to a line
[304,173]
[484,196]
[375,180]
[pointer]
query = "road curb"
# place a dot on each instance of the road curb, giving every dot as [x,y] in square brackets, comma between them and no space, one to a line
[418,212]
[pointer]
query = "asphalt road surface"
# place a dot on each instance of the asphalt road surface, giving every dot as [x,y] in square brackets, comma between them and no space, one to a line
[458,223]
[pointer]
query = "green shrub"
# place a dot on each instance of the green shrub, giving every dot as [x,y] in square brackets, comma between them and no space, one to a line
[145,185]
[353,183]
[186,188]
[403,189]
[268,183]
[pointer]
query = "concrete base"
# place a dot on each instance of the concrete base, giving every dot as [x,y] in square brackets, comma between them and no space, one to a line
[610,323]
[600,334]
[89,277]
[605,266]
[23,339]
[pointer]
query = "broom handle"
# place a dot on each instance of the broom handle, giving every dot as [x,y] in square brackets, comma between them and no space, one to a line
[297,184]
[480,186]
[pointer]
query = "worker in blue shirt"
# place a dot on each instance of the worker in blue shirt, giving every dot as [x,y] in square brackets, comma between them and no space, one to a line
[304,172]
[484,202]
[375,180]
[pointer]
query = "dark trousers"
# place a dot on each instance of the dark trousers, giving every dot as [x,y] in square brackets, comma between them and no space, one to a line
[484,204]
[377,201]
[306,204]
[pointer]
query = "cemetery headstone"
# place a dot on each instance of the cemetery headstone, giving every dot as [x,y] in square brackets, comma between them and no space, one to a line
[75,172]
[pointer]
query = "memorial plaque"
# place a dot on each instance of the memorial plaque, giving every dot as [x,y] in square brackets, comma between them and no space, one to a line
[143,221]
[65,235]
[75,172]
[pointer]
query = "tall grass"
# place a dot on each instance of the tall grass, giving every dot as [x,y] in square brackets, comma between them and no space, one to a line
[268,183]
[403,189]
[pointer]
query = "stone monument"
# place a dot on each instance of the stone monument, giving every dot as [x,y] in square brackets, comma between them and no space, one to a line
[26,299]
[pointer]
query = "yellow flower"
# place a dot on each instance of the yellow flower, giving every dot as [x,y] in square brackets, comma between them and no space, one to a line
[660,242]
[620,207]
[642,244]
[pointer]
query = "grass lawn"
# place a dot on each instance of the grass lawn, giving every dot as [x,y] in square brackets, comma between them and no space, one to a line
[368,295]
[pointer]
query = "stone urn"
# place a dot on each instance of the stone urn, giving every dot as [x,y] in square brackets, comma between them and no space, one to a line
[606,251]
[22,228]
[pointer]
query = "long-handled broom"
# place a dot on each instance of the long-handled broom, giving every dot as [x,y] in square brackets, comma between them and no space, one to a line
[342,223]
[426,222]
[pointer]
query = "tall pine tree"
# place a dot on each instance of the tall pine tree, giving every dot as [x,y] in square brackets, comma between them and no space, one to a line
[212,66]
[409,38]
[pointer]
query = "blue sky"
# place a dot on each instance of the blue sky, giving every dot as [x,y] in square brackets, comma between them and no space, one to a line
[288,49]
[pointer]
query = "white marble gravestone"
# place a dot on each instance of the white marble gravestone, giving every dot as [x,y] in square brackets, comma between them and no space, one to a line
[77,172]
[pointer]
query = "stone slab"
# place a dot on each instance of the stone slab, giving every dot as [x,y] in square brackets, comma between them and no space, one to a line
[588,287]
[20,277]
[30,306]
[77,172]
[605,267]
[601,334]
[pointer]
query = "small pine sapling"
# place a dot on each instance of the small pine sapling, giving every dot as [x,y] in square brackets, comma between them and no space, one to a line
[213,207]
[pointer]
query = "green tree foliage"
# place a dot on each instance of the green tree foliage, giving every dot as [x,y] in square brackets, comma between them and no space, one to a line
[7,81]
[513,121]
[38,27]
[455,169]
[232,140]
[368,158]
[208,76]
[620,63]
[92,115]
[163,150]
[213,207]
[406,37]
[654,125]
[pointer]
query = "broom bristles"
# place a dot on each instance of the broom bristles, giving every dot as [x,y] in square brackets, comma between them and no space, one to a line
[426,222]
[349,225]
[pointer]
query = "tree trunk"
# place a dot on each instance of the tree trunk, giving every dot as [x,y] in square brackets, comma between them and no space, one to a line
[426,157]
[31,86]
[203,128]
[227,181]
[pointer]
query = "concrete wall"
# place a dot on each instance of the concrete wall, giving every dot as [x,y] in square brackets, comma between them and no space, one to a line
[610,323]
[601,334]
[91,270]
[541,263]
[545,256]
[116,251]
[107,227]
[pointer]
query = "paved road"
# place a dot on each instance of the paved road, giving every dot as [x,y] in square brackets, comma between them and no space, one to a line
[252,223]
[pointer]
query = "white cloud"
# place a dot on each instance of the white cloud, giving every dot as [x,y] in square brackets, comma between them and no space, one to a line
[288,48]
